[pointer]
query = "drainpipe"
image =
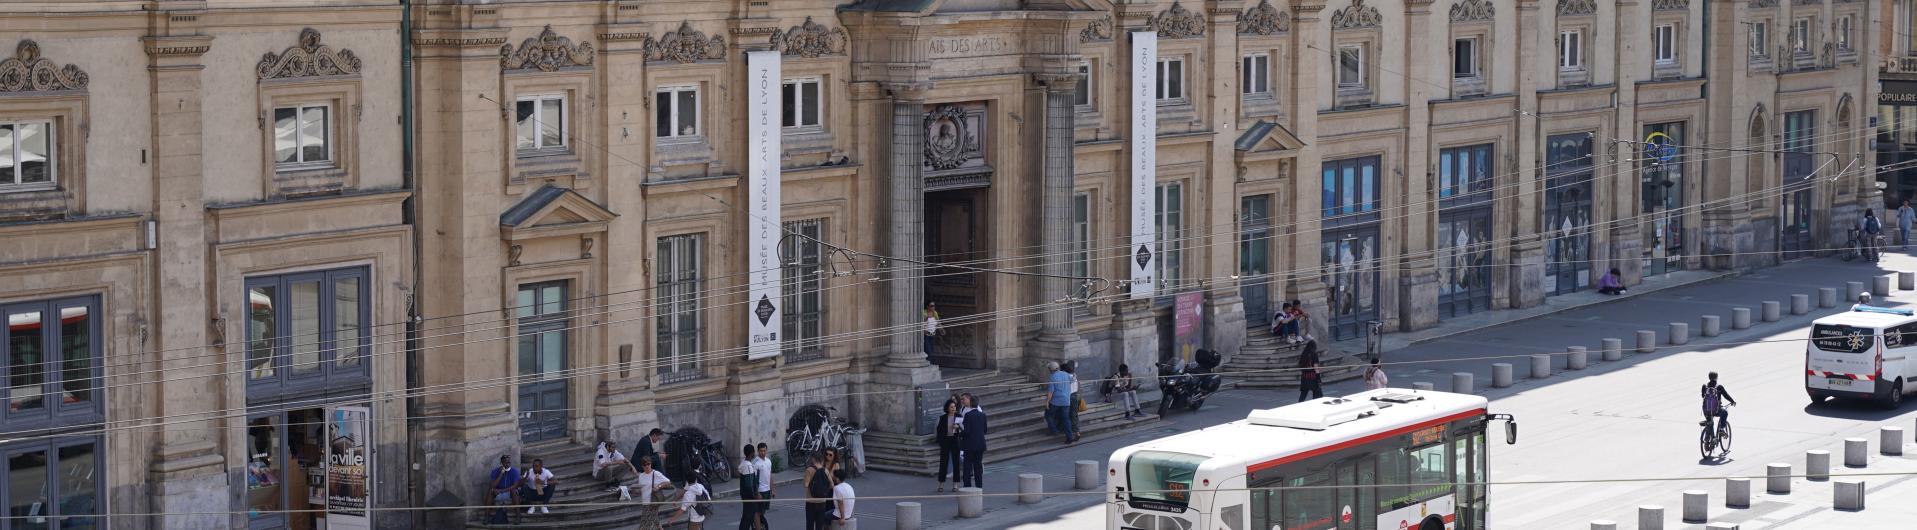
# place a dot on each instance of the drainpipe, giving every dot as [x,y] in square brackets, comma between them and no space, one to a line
[415,487]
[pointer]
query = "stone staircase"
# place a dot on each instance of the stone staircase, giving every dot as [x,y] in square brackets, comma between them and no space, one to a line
[582,502]
[1267,362]
[1017,423]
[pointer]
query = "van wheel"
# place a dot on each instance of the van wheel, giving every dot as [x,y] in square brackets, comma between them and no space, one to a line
[1896,398]
[1816,399]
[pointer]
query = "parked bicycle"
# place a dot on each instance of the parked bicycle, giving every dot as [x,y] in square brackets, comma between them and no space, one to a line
[815,428]
[689,449]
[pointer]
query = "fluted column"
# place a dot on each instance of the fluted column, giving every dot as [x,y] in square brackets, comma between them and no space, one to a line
[1060,120]
[907,244]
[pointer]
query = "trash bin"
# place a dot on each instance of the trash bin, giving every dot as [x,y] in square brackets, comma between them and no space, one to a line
[855,442]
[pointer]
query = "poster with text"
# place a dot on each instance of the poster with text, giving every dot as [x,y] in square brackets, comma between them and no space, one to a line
[347,465]
[1188,324]
[1144,164]
[763,92]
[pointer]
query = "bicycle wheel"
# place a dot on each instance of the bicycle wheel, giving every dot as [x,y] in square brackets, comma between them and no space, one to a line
[795,447]
[1724,440]
[1706,444]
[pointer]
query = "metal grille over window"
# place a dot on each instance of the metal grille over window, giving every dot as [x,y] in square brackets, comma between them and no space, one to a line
[679,317]
[803,321]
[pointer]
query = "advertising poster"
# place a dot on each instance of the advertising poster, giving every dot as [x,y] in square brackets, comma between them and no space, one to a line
[347,463]
[1188,325]
[1144,163]
[763,87]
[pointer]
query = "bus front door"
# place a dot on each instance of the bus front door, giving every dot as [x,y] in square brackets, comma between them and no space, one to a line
[1357,494]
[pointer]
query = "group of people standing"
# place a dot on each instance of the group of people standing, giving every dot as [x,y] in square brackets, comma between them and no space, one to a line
[828,496]
[961,439]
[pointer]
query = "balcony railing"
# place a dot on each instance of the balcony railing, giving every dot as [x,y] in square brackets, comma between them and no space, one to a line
[1906,64]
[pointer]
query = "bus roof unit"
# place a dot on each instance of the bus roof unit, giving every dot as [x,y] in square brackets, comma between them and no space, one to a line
[1315,415]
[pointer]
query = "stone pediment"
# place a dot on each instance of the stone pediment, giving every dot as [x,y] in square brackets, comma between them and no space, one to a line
[1265,139]
[553,211]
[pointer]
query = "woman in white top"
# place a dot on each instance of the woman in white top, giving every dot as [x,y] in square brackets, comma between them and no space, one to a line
[688,502]
[1375,376]
[650,483]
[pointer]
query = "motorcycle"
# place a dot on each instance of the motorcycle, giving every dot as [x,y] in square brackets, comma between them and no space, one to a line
[1188,385]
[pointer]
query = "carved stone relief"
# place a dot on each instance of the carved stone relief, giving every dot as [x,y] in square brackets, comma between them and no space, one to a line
[308,59]
[1263,19]
[27,71]
[1670,5]
[686,45]
[810,40]
[1098,31]
[1178,23]
[952,137]
[1473,11]
[547,53]
[1763,4]
[1573,8]
[1356,16]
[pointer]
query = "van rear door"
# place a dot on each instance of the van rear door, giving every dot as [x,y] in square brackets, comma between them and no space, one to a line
[1841,357]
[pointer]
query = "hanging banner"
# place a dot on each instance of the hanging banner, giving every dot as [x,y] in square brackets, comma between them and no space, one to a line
[762,199]
[347,462]
[1144,163]
[1188,320]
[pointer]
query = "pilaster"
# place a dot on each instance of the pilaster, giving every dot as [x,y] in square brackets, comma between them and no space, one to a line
[1526,278]
[1304,254]
[1417,298]
[1224,310]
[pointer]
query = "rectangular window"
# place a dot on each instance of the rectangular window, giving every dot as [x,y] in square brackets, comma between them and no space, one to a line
[677,110]
[1081,235]
[1664,43]
[1350,186]
[1256,74]
[1082,95]
[542,122]
[1464,58]
[1799,129]
[1845,26]
[1759,34]
[1171,79]
[26,155]
[301,135]
[803,319]
[1801,35]
[802,101]
[1351,67]
[53,485]
[1570,49]
[678,306]
[307,332]
[1465,172]
[1171,234]
[51,350]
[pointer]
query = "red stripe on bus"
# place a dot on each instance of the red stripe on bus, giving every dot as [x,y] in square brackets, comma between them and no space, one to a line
[1254,468]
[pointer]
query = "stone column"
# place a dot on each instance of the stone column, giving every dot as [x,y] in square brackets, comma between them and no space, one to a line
[1304,253]
[188,470]
[1059,340]
[1417,303]
[905,366]
[1526,262]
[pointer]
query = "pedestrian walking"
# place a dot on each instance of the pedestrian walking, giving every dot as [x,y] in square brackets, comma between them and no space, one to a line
[1077,400]
[695,504]
[764,463]
[818,493]
[1871,228]
[948,440]
[843,498]
[1126,387]
[1309,386]
[1375,375]
[749,489]
[1058,400]
[652,484]
[1906,216]
[972,443]
[932,329]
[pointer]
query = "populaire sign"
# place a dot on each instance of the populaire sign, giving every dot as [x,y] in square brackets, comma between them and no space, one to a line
[762,200]
[1144,162]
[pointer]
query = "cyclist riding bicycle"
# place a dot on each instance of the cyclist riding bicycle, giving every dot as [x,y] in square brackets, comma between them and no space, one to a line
[1714,397]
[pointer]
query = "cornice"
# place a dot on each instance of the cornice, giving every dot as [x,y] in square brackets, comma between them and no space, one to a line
[177,46]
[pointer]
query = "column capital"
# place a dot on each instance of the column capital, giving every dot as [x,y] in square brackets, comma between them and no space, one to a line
[1057,83]
[177,46]
[908,91]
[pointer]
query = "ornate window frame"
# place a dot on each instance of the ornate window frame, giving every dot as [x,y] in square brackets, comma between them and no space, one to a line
[1676,20]
[35,87]
[1840,14]
[565,166]
[1477,20]
[1579,75]
[310,72]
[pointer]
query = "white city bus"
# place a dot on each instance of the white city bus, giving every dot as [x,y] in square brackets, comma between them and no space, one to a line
[1862,353]
[1386,459]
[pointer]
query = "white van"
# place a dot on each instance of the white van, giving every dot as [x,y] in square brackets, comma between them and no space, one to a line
[1862,353]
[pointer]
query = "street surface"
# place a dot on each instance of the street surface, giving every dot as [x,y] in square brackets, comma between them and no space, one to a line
[1630,419]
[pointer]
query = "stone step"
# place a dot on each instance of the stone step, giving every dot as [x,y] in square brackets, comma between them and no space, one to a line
[1003,444]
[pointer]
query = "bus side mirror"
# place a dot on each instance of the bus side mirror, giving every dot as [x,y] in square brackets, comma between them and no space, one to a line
[1511,432]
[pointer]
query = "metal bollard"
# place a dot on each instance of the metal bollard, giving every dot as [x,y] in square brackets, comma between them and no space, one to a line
[1800,304]
[1650,517]
[1576,358]
[1085,476]
[1602,524]
[1540,366]
[1817,465]
[1881,284]
[971,502]
[1737,493]
[1461,382]
[1856,452]
[1852,289]
[1906,280]
[1771,310]
[1710,325]
[1680,333]
[1849,495]
[1421,385]
[1031,488]
[1500,375]
[1890,441]
[1697,506]
[907,514]
[1740,317]
[1826,297]
[1777,478]
[1646,341]
[1613,349]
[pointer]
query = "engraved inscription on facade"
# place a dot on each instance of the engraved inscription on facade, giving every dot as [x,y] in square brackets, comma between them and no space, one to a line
[949,47]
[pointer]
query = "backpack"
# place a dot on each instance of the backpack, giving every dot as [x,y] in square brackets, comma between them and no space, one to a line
[1712,399]
[703,504]
[1872,226]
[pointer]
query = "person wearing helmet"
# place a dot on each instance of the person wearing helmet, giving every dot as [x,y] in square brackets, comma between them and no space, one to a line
[1863,300]
[1714,398]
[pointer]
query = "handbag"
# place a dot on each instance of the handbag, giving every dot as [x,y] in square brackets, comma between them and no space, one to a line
[704,505]
[1081,404]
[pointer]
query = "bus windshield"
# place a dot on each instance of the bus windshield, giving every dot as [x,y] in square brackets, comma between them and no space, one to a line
[1842,339]
[1161,476]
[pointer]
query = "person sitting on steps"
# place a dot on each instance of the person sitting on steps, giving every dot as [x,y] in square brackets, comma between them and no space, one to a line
[1611,283]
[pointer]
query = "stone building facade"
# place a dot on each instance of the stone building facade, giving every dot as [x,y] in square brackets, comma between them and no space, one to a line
[221,197]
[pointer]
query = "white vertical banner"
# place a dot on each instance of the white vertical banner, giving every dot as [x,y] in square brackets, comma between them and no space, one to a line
[762,199]
[1142,257]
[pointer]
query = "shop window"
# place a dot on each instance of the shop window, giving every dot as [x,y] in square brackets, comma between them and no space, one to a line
[286,468]
[52,485]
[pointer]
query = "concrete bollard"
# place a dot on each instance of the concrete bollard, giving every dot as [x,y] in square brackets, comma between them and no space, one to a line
[1680,333]
[1500,375]
[1721,526]
[1650,517]
[1851,290]
[1777,478]
[1421,385]
[1031,488]
[1710,325]
[1826,297]
[1697,506]
[1848,495]
[971,502]
[1740,317]
[1906,280]
[1881,287]
[1613,349]
[908,514]
[1817,465]
[1856,452]
[1646,341]
[1737,493]
[1540,366]
[1461,382]
[1800,304]
[1771,310]
[1602,524]
[1086,475]
[1890,441]
[1576,358]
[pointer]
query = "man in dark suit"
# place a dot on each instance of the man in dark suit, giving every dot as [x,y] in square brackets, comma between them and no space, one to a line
[972,443]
